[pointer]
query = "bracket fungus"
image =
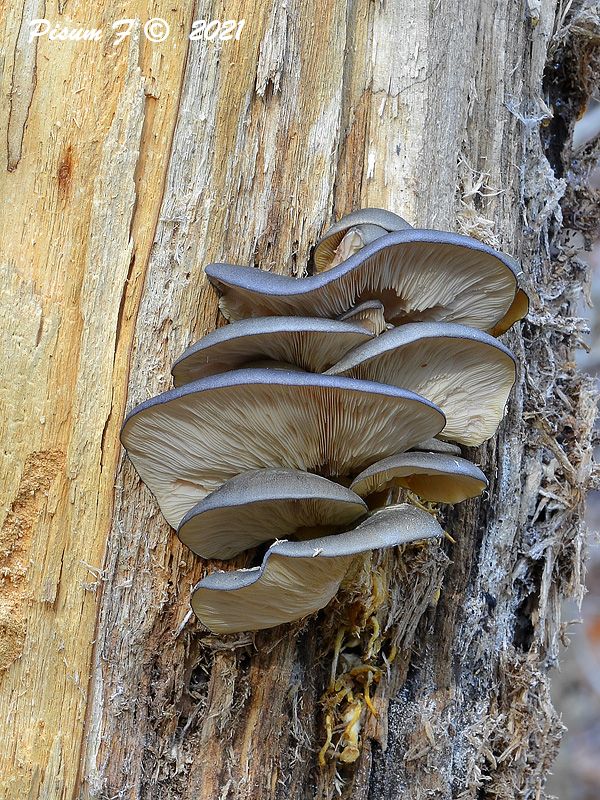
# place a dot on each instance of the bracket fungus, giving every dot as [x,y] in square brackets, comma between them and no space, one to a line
[452,365]
[419,275]
[322,391]
[313,344]
[263,505]
[299,578]
[437,477]
[188,441]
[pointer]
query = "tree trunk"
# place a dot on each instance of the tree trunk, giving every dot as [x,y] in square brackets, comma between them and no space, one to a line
[128,168]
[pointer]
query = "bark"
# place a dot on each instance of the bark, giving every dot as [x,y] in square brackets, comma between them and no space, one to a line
[127,170]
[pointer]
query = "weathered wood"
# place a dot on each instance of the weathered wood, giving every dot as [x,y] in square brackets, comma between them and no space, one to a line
[75,238]
[244,153]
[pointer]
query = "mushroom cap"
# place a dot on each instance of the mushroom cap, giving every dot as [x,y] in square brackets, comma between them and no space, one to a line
[433,476]
[466,372]
[266,504]
[369,315]
[519,308]
[436,445]
[312,343]
[188,441]
[418,275]
[298,578]
[372,223]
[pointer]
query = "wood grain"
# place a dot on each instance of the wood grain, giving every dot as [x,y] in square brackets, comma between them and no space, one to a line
[75,238]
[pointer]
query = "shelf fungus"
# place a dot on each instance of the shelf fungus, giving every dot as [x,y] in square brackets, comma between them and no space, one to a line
[323,392]
[467,372]
[436,477]
[419,275]
[310,343]
[188,441]
[267,504]
[296,579]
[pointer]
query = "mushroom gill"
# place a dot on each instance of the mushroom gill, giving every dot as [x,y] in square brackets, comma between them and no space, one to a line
[263,505]
[188,441]
[466,372]
[418,275]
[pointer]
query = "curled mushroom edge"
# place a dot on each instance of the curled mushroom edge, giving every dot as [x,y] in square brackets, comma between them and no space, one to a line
[419,275]
[450,364]
[436,477]
[296,579]
[262,505]
[188,441]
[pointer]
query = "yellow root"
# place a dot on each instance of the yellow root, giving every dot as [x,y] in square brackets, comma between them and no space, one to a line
[369,702]
[329,732]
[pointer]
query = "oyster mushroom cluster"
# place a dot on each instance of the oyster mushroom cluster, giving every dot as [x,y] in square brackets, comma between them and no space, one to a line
[322,393]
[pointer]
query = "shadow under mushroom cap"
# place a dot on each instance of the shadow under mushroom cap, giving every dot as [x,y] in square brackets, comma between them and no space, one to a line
[298,578]
[188,441]
[417,274]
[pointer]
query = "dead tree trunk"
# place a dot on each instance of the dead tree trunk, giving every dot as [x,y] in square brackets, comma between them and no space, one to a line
[152,160]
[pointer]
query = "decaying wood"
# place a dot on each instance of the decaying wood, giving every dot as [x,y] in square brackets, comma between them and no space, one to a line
[153,161]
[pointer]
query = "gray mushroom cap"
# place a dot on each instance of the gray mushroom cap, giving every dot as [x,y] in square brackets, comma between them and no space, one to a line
[436,445]
[368,223]
[436,477]
[467,372]
[369,315]
[266,504]
[299,578]
[187,442]
[419,275]
[312,343]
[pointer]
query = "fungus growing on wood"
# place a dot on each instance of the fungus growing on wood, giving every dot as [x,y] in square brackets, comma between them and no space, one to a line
[188,441]
[437,477]
[254,444]
[352,232]
[311,343]
[467,372]
[299,578]
[267,504]
[369,315]
[419,275]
